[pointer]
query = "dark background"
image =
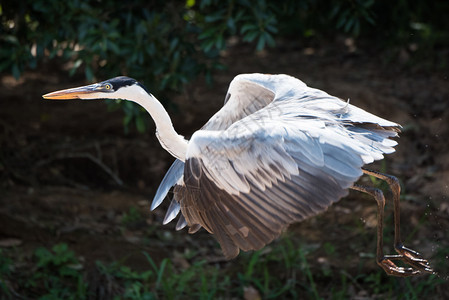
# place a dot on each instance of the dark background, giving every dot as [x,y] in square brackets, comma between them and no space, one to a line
[77,177]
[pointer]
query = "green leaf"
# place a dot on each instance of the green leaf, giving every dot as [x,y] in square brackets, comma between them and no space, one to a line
[208,33]
[75,67]
[250,36]
[269,39]
[207,45]
[219,15]
[89,73]
[271,28]
[356,28]
[113,47]
[11,39]
[230,23]
[173,44]
[349,25]
[260,43]
[127,119]
[248,27]
[15,71]
[190,3]
[219,42]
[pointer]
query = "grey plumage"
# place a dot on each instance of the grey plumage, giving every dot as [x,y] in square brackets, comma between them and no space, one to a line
[172,176]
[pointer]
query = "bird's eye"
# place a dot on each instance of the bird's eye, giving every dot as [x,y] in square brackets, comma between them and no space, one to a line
[108,86]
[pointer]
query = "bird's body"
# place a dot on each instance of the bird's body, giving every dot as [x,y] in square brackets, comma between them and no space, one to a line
[276,153]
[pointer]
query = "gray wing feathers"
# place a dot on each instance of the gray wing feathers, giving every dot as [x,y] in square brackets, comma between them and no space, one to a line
[316,100]
[172,211]
[181,223]
[251,220]
[249,184]
[172,176]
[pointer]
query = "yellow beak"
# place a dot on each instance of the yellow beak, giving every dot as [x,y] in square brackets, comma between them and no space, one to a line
[73,93]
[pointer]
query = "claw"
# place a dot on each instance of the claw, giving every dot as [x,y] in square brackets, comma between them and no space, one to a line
[401,249]
[391,269]
[414,259]
[407,257]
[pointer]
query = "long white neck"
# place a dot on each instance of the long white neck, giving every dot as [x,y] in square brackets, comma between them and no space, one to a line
[170,140]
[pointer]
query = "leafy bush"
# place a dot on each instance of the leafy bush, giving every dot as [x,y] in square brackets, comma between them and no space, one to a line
[54,268]
[166,44]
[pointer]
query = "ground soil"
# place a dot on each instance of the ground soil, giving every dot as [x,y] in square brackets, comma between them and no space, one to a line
[61,163]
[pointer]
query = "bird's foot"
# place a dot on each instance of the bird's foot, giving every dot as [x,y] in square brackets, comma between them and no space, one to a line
[392,269]
[414,259]
[417,263]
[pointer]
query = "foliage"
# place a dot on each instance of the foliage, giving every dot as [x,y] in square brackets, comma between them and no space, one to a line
[132,216]
[55,274]
[5,271]
[197,281]
[59,271]
[280,271]
[166,44]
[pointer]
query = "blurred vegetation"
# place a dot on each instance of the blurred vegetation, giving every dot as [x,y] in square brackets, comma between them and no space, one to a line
[282,272]
[166,44]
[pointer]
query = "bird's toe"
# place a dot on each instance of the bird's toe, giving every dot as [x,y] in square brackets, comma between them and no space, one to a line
[414,259]
[392,269]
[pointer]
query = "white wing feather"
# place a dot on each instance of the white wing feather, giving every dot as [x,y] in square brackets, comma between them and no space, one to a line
[242,99]
[277,152]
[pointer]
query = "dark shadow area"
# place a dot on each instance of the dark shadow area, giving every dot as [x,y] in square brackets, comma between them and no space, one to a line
[70,175]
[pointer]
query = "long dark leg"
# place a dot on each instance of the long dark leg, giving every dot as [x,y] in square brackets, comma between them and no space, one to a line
[395,187]
[382,260]
[407,255]
[410,256]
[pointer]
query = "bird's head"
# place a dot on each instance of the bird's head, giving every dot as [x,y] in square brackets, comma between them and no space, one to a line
[121,87]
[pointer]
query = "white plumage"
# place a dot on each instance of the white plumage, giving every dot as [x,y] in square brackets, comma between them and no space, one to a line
[276,153]
[273,133]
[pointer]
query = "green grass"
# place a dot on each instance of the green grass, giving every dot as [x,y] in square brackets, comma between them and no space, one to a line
[285,270]
[51,274]
[132,216]
[5,272]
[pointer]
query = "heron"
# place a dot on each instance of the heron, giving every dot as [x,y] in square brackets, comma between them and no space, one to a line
[276,153]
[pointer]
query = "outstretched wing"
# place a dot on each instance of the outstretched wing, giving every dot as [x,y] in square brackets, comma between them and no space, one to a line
[242,99]
[277,166]
[283,156]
